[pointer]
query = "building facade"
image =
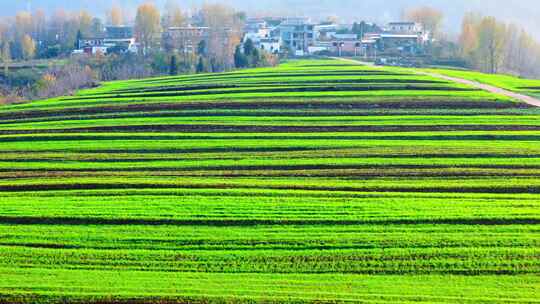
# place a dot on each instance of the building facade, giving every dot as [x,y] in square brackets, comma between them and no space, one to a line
[185,39]
[297,35]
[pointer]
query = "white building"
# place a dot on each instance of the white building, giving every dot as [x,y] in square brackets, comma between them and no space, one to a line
[397,38]
[405,27]
[263,37]
[297,34]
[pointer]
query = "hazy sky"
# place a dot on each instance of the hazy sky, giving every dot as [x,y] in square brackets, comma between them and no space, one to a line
[525,12]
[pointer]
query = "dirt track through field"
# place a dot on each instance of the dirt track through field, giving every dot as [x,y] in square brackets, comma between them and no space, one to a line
[489,88]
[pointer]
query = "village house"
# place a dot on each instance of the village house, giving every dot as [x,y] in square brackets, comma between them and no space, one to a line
[263,36]
[398,38]
[297,34]
[404,38]
[91,46]
[119,32]
[115,39]
[324,31]
[185,39]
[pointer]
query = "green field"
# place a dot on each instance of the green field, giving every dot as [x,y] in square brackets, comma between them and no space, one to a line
[315,181]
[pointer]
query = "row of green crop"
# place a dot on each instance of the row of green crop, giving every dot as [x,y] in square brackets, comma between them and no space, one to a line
[268,113]
[332,238]
[378,96]
[246,207]
[322,121]
[275,144]
[476,149]
[278,89]
[158,287]
[284,164]
[350,174]
[392,99]
[467,261]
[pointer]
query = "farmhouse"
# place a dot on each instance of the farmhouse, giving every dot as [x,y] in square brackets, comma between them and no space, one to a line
[115,39]
[92,46]
[119,32]
[405,27]
[398,38]
[297,34]
[185,39]
[262,35]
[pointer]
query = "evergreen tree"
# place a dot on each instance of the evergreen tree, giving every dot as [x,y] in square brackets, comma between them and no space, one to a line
[6,57]
[255,58]
[240,59]
[78,40]
[200,66]
[249,47]
[201,48]
[173,67]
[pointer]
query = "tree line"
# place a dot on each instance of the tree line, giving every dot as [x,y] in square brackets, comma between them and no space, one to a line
[493,46]
[485,43]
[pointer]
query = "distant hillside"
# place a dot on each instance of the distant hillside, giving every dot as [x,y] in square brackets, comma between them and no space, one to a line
[522,11]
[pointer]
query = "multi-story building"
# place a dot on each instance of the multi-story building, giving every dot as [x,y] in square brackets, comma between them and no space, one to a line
[185,39]
[91,46]
[297,35]
[115,39]
[398,38]
[119,32]
[263,36]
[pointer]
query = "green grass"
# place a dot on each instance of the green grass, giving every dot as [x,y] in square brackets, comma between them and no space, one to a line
[315,181]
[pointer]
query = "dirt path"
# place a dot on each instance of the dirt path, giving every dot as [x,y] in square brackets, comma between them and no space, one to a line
[486,87]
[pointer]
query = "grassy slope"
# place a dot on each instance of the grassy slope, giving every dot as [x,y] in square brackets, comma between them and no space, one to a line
[318,181]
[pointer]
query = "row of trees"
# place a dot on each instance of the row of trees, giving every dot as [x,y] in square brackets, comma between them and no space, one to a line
[51,36]
[35,34]
[214,53]
[493,46]
[485,43]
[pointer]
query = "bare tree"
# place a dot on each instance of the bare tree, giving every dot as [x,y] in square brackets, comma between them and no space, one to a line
[225,33]
[147,24]
[429,17]
[512,48]
[173,16]
[115,16]
[28,47]
[491,43]
[6,56]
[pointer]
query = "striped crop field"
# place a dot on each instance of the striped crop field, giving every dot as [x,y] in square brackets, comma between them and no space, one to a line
[318,181]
